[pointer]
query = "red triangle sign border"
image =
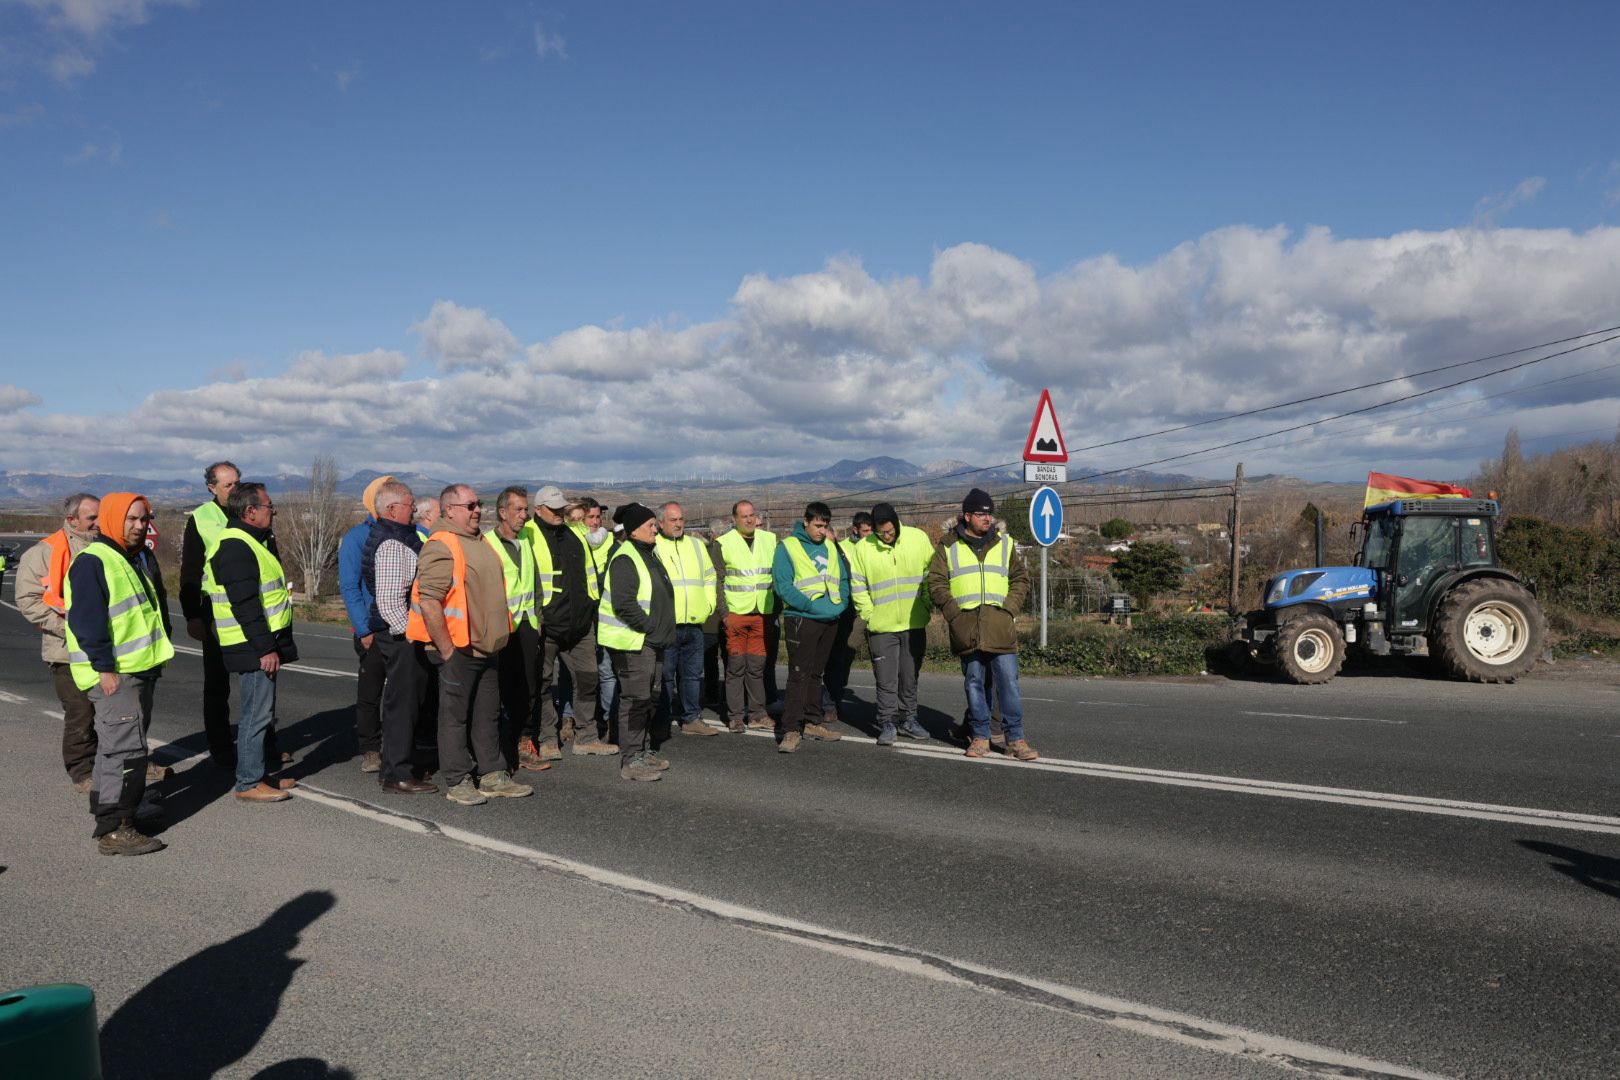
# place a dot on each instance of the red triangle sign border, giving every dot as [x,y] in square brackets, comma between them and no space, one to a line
[1057,456]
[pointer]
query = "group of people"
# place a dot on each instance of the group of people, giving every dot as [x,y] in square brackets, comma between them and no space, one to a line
[561,626]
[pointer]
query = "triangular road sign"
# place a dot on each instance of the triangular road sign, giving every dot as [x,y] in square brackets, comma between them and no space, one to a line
[1045,442]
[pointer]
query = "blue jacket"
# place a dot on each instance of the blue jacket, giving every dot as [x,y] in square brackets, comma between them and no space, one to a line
[794,602]
[356,597]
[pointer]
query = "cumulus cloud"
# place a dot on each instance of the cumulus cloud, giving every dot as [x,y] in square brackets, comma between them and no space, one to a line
[458,337]
[13,398]
[807,368]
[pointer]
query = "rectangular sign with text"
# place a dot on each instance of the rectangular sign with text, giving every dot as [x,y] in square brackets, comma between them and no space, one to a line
[1040,473]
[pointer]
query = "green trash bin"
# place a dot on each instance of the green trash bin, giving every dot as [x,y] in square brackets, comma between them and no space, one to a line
[49,1033]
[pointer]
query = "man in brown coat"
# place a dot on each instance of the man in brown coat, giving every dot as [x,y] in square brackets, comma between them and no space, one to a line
[979,586]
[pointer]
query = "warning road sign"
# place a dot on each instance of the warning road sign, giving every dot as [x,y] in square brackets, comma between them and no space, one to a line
[1045,442]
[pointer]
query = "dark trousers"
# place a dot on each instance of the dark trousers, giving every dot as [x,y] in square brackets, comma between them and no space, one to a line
[773,646]
[683,677]
[581,661]
[368,698]
[469,712]
[427,696]
[216,696]
[78,724]
[851,632]
[808,644]
[640,675]
[714,694]
[399,706]
[517,666]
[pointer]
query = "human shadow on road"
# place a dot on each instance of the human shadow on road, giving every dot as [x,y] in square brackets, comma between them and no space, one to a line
[1598,872]
[303,1069]
[211,1009]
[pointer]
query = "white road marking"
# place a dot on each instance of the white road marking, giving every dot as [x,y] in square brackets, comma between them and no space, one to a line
[1313,716]
[1184,1029]
[295,666]
[1382,800]
[13,699]
[58,716]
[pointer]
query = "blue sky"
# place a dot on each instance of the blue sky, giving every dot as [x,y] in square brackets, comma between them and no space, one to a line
[198,194]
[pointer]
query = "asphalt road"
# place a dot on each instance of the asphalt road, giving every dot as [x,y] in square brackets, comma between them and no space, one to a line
[1386,875]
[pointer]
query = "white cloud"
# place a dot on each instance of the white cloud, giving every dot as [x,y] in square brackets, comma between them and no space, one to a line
[808,368]
[13,398]
[1491,207]
[459,337]
[548,44]
[81,28]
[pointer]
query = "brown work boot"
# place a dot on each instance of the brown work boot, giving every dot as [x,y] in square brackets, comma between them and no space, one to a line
[822,732]
[829,717]
[566,732]
[978,748]
[762,723]
[371,761]
[528,753]
[1020,749]
[262,792]
[698,727]
[999,742]
[82,787]
[789,743]
[127,840]
[550,751]
[736,726]
[593,747]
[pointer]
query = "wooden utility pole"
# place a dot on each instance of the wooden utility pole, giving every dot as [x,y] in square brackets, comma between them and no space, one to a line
[1237,538]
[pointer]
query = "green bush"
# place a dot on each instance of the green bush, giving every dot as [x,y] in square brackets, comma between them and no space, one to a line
[1154,645]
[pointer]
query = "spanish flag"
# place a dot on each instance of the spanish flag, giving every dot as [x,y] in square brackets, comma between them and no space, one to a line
[1382,488]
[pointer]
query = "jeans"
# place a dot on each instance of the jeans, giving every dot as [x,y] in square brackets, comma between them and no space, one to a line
[607,689]
[683,676]
[1004,668]
[257,692]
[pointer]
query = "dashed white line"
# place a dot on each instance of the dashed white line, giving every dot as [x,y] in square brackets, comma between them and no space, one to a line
[1313,716]
[1166,1025]
[12,699]
[295,667]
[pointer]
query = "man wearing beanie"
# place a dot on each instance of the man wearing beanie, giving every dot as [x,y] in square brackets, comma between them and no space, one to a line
[118,641]
[357,601]
[812,581]
[635,624]
[888,583]
[979,587]
[202,526]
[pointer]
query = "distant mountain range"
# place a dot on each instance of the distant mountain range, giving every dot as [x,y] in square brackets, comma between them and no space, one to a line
[36,490]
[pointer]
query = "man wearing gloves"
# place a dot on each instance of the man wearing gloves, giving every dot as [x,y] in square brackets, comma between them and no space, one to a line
[812,581]
[636,623]
[979,587]
[889,585]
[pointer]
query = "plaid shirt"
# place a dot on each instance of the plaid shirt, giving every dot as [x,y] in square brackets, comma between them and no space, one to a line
[395,569]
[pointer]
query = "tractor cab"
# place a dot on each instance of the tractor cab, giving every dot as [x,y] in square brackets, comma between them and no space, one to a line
[1418,548]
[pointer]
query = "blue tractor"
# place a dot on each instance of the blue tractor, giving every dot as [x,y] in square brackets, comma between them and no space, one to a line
[1425,583]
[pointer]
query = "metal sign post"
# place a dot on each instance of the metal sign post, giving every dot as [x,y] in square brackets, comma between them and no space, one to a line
[1045,523]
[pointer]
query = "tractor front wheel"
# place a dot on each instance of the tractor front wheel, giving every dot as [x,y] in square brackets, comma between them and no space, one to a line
[1310,649]
[1488,630]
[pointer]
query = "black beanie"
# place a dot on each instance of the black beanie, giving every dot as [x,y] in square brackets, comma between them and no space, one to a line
[633,516]
[977,501]
[885,512]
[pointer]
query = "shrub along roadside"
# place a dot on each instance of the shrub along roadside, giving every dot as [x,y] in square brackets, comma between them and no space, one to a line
[1154,645]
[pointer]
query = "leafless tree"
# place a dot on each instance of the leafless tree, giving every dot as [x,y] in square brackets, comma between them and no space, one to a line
[311,523]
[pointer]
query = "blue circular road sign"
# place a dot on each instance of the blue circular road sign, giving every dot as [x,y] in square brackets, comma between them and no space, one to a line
[1045,517]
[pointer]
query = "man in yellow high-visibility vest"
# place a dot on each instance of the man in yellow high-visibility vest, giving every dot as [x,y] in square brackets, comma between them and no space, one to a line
[691,573]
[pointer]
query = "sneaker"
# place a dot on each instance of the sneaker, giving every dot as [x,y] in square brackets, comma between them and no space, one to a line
[698,727]
[822,732]
[637,767]
[550,751]
[125,840]
[789,743]
[978,748]
[886,736]
[594,748]
[737,726]
[1020,749]
[466,793]
[658,760]
[528,754]
[761,723]
[371,761]
[82,787]
[913,730]
[497,785]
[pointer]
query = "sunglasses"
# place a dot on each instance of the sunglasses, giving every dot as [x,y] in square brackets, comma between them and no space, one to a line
[474,505]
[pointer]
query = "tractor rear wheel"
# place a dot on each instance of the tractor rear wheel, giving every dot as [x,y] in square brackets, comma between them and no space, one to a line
[1488,630]
[1310,648]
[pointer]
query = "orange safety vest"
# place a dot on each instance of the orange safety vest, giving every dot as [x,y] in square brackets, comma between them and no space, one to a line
[56,570]
[455,601]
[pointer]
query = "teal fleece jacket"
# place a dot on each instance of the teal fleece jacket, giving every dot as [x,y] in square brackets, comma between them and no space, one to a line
[794,602]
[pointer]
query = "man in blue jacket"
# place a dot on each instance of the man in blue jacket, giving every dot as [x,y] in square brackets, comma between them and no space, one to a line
[357,603]
[811,580]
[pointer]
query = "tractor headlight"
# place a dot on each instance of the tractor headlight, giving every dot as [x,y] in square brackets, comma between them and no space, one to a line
[1275,591]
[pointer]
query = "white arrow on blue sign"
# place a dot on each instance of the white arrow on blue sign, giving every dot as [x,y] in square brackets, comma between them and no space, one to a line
[1045,517]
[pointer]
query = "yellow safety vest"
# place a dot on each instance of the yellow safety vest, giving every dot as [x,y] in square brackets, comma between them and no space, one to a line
[210,520]
[546,575]
[611,632]
[691,571]
[887,581]
[273,592]
[133,620]
[975,583]
[809,578]
[519,577]
[748,572]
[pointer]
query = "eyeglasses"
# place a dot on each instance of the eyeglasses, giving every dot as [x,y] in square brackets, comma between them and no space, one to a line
[265,506]
[474,505]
